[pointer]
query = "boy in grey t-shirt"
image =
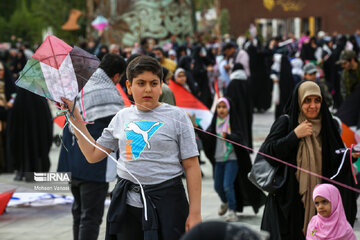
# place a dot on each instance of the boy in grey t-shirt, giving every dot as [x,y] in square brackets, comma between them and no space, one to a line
[156,143]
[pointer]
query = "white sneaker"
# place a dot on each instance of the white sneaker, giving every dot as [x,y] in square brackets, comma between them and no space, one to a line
[231,217]
[223,208]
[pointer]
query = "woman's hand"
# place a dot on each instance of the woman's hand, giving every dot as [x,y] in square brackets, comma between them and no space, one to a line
[304,129]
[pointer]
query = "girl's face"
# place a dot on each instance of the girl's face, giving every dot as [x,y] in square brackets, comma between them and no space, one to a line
[311,106]
[323,206]
[181,78]
[222,110]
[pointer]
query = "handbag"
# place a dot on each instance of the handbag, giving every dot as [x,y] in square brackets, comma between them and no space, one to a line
[265,176]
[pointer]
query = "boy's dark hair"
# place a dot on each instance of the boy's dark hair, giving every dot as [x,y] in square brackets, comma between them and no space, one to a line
[112,64]
[141,64]
[132,57]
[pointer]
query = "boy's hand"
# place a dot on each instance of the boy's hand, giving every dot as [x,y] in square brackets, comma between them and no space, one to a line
[192,220]
[70,105]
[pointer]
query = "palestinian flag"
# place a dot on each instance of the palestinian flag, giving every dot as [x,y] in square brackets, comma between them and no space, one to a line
[185,100]
[57,70]
[349,114]
[123,95]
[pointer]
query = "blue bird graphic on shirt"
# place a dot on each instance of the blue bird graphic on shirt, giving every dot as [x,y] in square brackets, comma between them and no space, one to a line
[140,133]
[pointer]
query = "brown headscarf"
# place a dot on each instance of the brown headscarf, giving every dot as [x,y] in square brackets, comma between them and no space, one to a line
[309,154]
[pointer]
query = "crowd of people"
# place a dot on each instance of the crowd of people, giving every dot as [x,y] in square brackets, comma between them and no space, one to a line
[304,80]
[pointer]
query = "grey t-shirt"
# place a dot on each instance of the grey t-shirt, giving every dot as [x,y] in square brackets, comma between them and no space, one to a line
[221,150]
[152,144]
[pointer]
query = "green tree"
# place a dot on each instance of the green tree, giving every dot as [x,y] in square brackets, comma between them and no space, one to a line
[201,5]
[22,23]
[224,21]
[27,19]
[7,7]
[55,13]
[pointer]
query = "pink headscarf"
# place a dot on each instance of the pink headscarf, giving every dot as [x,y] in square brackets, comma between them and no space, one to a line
[334,227]
[223,124]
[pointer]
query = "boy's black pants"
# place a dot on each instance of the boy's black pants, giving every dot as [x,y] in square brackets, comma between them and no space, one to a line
[171,209]
[88,208]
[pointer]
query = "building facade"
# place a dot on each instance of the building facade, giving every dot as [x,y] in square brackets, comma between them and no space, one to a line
[279,17]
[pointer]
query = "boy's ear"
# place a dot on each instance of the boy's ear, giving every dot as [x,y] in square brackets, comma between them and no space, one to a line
[128,85]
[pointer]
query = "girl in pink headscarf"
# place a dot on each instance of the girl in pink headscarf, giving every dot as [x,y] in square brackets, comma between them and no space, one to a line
[330,222]
[231,162]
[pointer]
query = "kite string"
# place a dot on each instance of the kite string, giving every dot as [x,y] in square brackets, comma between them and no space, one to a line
[258,152]
[352,167]
[82,103]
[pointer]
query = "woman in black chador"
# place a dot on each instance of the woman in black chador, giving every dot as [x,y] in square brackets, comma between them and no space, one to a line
[307,137]
[199,71]
[30,129]
[239,93]
[7,95]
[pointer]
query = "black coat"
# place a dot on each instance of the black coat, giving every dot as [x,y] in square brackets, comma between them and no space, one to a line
[246,193]
[30,133]
[200,76]
[260,81]
[10,88]
[284,212]
[286,84]
[239,93]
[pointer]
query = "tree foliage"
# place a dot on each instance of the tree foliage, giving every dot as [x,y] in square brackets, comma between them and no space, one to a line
[7,7]
[204,4]
[55,13]
[28,19]
[224,21]
[21,23]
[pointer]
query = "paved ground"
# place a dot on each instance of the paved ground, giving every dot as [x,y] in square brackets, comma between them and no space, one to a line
[56,222]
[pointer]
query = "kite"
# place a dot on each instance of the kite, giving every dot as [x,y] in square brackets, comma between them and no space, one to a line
[100,23]
[57,70]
